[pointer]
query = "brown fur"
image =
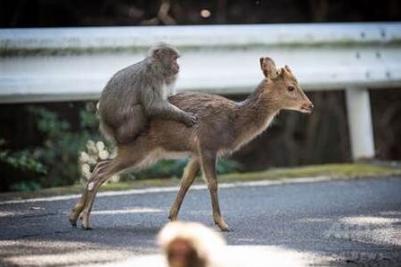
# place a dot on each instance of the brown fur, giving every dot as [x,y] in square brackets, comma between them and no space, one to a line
[223,127]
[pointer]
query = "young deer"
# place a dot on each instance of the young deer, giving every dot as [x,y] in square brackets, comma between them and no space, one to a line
[223,127]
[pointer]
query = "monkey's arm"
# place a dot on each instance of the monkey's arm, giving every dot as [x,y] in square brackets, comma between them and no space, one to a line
[156,107]
[165,110]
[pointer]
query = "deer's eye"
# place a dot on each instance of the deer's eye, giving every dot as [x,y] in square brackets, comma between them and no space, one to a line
[291,88]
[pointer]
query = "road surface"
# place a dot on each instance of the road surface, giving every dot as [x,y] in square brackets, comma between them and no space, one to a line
[337,222]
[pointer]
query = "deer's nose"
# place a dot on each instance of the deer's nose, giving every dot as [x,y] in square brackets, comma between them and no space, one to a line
[307,107]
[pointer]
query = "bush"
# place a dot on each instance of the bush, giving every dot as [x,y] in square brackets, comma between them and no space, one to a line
[26,163]
[54,161]
[59,152]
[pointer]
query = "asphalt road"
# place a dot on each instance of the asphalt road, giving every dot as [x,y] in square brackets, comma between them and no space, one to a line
[337,222]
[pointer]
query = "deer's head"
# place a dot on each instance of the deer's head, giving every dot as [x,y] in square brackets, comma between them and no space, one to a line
[283,87]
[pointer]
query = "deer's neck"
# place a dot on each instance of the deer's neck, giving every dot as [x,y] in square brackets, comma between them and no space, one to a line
[254,115]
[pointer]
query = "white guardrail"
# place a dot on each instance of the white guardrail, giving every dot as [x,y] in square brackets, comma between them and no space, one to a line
[65,64]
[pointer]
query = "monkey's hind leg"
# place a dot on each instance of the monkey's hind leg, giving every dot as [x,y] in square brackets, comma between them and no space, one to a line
[134,124]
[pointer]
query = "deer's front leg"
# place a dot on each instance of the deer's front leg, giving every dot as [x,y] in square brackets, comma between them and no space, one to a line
[209,171]
[188,178]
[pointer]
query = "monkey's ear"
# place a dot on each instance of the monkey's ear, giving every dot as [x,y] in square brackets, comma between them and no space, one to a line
[268,67]
[156,53]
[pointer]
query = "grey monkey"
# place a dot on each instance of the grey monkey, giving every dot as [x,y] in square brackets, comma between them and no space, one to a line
[138,93]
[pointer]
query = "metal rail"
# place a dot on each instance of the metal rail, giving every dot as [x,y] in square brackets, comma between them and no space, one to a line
[66,64]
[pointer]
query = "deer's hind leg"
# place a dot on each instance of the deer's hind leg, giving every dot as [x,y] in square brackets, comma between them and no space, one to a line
[101,174]
[100,177]
[76,211]
[188,178]
[103,171]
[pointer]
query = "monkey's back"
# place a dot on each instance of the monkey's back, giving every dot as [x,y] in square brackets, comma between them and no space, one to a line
[120,93]
[118,97]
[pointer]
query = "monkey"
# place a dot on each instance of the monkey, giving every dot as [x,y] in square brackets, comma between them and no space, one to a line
[138,93]
[188,244]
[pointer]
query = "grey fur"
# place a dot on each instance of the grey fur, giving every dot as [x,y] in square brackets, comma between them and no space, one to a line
[138,93]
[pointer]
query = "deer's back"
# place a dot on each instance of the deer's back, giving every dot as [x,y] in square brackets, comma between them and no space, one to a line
[203,105]
[214,129]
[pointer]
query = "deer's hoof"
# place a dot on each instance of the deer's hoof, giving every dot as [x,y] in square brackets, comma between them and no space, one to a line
[172,218]
[84,218]
[86,228]
[72,220]
[223,226]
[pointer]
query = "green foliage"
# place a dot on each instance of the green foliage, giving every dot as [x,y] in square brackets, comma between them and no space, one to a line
[59,151]
[88,119]
[26,186]
[25,162]
[164,168]
[22,159]
[49,123]
[225,166]
[55,161]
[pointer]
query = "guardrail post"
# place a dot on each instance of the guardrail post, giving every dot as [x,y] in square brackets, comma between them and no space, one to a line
[360,123]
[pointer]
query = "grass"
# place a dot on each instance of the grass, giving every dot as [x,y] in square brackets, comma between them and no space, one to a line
[333,171]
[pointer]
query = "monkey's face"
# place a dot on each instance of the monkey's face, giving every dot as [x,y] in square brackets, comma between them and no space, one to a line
[168,61]
[182,253]
[166,57]
[172,64]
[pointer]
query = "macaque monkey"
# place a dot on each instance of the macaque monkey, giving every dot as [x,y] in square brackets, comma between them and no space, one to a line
[190,245]
[138,93]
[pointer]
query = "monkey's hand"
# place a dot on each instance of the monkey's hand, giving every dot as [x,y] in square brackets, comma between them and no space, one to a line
[190,119]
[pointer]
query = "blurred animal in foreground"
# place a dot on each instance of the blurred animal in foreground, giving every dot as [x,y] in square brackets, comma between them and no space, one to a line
[190,245]
[223,127]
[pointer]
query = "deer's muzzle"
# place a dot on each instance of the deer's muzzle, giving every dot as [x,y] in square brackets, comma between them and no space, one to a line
[307,108]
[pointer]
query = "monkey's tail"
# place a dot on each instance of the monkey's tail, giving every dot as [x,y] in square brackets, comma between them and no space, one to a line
[106,131]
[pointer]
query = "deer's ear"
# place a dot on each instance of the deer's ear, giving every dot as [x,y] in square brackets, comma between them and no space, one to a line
[268,67]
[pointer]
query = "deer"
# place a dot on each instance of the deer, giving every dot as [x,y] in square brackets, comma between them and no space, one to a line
[223,127]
